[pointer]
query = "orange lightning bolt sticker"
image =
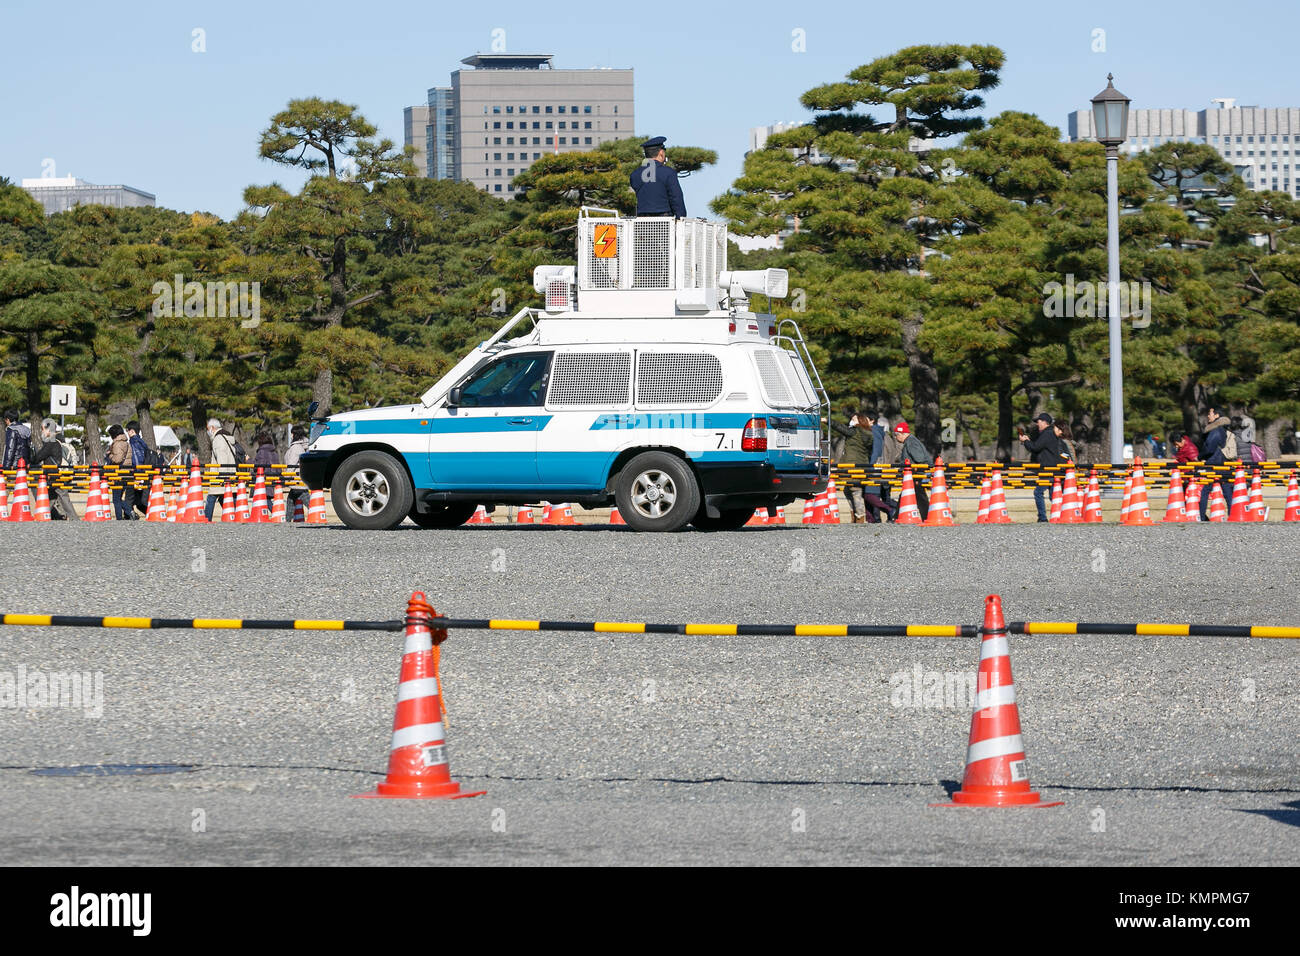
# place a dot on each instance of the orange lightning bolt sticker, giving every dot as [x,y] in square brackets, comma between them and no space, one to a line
[605,243]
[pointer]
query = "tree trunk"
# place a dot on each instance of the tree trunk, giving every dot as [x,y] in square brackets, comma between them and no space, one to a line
[145,417]
[90,442]
[1189,403]
[1270,436]
[1005,413]
[34,379]
[199,419]
[322,391]
[925,384]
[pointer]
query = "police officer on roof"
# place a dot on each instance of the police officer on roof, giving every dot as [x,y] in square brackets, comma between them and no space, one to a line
[655,183]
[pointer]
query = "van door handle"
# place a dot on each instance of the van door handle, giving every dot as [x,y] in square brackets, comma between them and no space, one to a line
[521,421]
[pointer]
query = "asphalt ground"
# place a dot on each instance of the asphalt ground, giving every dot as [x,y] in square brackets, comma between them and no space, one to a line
[243,747]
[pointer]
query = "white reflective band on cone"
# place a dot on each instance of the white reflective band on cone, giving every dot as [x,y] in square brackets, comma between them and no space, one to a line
[419,734]
[411,689]
[992,697]
[994,647]
[420,640]
[993,747]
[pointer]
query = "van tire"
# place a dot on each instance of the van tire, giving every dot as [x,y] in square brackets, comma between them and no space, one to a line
[657,491]
[731,519]
[371,491]
[443,516]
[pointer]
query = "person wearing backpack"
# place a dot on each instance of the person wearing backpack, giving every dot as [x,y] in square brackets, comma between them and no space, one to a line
[141,455]
[18,440]
[1218,448]
[54,453]
[225,452]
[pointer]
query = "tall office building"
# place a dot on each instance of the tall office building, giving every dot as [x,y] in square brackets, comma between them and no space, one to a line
[1263,144]
[415,120]
[58,194]
[527,108]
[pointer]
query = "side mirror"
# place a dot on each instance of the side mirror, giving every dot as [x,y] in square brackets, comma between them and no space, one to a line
[453,397]
[311,409]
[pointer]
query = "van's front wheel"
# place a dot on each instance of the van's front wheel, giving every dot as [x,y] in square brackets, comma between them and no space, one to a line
[657,491]
[371,491]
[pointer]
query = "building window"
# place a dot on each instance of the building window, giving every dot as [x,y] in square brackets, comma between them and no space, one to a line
[615,124]
[496,172]
[508,156]
[548,124]
[496,109]
[587,125]
[548,109]
[510,173]
[563,125]
[537,140]
[510,109]
[510,188]
[510,141]
[496,140]
[510,125]
[616,108]
[550,141]
[573,109]
[536,125]
[498,187]
[496,125]
[537,109]
[496,156]
[536,155]
[561,109]
[562,141]
[586,109]
[587,141]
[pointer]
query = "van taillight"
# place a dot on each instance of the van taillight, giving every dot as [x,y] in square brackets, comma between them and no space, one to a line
[754,437]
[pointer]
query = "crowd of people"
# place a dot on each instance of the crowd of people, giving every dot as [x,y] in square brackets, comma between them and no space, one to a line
[1047,441]
[127,449]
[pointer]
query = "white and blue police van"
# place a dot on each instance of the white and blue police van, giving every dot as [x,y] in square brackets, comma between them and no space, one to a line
[644,383]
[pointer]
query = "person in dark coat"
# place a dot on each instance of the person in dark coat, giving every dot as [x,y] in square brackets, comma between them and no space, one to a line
[266,455]
[866,501]
[658,193]
[1048,451]
[1216,435]
[54,453]
[911,450]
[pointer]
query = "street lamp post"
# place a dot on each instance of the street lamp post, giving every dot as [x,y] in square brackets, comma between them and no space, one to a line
[1110,117]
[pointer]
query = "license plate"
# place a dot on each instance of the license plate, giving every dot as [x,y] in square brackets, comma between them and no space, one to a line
[782,439]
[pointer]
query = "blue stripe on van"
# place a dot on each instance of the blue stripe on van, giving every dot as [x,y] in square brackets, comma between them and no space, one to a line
[431,425]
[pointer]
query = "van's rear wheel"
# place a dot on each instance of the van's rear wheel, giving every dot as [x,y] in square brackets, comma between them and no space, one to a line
[657,491]
[730,519]
[443,516]
[371,491]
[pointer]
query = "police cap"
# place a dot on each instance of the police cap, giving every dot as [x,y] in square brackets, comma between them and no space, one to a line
[652,146]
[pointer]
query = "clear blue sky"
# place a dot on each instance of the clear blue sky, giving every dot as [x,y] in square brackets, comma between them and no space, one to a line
[113,93]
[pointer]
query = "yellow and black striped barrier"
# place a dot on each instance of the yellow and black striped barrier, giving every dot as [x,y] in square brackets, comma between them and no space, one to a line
[198,623]
[77,478]
[713,630]
[1028,475]
[1152,630]
[641,627]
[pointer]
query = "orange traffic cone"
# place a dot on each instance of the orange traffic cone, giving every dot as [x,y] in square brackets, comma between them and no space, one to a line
[42,499]
[1139,509]
[616,516]
[1255,506]
[757,519]
[821,510]
[998,513]
[908,512]
[242,513]
[525,515]
[1175,509]
[157,503]
[480,516]
[996,773]
[277,506]
[986,492]
[260,513]
[1071,500]
[1240,498]
[228,506]
[4,499]
[940,511]
[1092,500]
[1127,504]
[417,759]
[171,507]
[775,515]
[96,507]
[1054,516]
[1218,510]
[1292,500]
[21,509]
[299,513]
[558,514]
[316,507]
[1192,501]
[192,511]
[832,504]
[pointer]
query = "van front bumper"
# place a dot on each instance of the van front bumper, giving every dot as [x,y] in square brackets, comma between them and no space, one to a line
[311,468]
[727,485]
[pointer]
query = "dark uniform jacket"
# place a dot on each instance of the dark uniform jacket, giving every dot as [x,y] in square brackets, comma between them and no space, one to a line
[657,191]
[1045,447]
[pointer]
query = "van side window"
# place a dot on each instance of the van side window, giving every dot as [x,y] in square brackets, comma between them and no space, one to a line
[512,381]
